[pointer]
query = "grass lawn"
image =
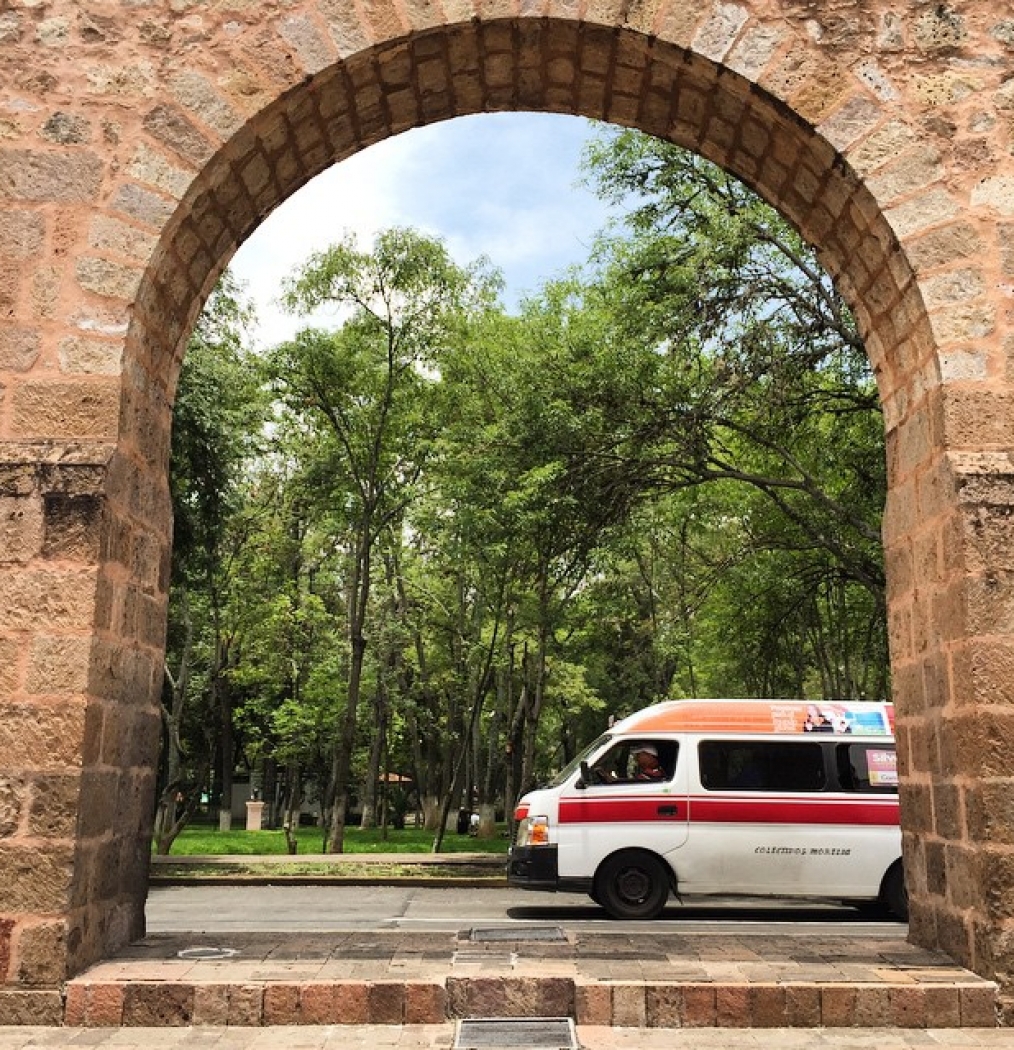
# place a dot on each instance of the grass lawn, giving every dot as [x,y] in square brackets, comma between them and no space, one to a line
[202,839]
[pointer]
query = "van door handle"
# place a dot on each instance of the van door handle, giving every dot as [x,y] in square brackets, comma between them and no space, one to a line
[668,811]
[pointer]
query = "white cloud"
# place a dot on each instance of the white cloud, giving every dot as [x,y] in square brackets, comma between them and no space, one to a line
[500,185]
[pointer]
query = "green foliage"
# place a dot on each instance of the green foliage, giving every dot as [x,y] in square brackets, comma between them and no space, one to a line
[663,477]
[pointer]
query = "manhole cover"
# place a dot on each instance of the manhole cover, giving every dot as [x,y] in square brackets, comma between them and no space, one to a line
[207,953]
[531,1033]
[517,933]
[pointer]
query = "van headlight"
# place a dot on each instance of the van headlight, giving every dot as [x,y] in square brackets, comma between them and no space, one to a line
[533,831]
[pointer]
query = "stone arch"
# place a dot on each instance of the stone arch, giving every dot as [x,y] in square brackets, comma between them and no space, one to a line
[134,160]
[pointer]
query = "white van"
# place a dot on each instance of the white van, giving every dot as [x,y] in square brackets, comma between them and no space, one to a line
[754,797]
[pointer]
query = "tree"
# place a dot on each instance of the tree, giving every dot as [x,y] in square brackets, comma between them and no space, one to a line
[216,430]
[363,386]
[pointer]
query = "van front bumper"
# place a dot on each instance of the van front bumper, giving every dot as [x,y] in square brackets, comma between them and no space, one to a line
[537,868]
[532,867]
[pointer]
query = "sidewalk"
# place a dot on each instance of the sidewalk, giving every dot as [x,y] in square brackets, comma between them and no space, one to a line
[442,1037]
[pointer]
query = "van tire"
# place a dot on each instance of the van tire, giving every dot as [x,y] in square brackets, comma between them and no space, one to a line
[893,893]
[632,885]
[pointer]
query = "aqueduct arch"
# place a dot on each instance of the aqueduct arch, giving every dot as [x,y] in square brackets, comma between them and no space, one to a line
[136,155]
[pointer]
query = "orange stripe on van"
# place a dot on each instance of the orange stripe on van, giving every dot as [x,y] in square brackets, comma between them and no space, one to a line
[817,718]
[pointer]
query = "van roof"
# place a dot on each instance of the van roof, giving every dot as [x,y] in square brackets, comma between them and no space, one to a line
[856,717]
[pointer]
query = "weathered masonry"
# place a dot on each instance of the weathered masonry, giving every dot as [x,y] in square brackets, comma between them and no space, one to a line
[142,140]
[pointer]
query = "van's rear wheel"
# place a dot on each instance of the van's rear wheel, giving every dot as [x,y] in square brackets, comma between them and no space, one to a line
[894,895]
[632,886]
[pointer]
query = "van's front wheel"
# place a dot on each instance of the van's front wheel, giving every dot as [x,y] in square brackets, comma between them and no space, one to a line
[632,885]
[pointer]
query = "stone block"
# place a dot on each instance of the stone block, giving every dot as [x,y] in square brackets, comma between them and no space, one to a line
[158,1005]
[539,997]
[21,529]
[140,203]
[18,1007]
[802,1006]
[317,1003]
[663,1005]
[755,50]
[41,957]
[22,233]
[425,1003]
[71,177]
[990,811]
[196,93]
[386,1002]
[245,1005]
[593,1004]
[109,279]
[58,664]
[907,1006]
[7,927]
[14,796]
[20,347]
[281,1003]
[767,1006]
[732,1006]
[943,1006]
[156,169]
[87,356]
[629,1006]
[81,409]
[352,1002]
[475,996]
[211,1005]
[104,1005]
[167,125]
[838,1006]
[978,1006]
[75,1012]
[699,1007]
[872,1006]
[42,737]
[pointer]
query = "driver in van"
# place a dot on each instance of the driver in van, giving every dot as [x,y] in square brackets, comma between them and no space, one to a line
[647,765]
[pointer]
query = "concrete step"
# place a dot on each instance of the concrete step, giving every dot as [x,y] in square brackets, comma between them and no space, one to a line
[398,978]
[155,1003]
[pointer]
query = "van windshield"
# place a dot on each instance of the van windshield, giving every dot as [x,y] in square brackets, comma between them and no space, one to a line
[564,775]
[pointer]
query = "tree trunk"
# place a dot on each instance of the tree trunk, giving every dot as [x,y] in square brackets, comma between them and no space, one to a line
[293,804]
[167,826]
[359,593]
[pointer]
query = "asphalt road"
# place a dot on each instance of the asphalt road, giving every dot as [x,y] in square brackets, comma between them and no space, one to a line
[290,909]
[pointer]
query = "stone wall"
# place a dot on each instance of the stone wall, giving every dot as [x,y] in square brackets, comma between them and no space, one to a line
[140,144]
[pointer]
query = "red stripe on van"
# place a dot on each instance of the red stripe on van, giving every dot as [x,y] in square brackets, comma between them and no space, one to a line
[619,810]
[793,811]
[730,811]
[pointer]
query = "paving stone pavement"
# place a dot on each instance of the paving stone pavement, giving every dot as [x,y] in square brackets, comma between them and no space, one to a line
[442,1037]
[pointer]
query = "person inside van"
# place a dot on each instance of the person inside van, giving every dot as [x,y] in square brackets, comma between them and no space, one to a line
[646,763]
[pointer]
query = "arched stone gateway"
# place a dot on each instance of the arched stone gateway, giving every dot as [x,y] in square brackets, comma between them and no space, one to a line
[142,140]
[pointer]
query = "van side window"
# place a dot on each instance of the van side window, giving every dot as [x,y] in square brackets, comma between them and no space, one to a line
[741,765]
[868,768]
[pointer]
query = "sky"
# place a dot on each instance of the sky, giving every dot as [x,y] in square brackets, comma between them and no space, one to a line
[503,185]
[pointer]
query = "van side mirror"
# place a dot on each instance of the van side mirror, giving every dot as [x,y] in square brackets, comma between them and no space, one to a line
[586,776]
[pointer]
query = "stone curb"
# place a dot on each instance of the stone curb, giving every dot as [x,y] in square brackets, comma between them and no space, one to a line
[102,1004]
[434,881]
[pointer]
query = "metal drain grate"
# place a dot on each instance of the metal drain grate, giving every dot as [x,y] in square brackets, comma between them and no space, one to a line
[521,1033]
[517,933]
